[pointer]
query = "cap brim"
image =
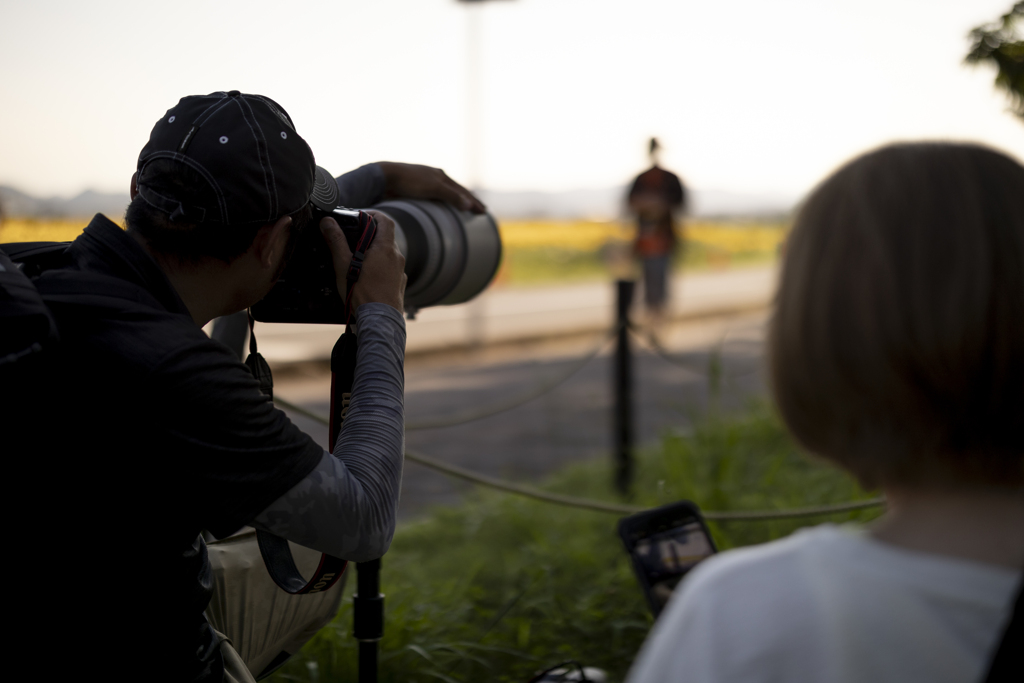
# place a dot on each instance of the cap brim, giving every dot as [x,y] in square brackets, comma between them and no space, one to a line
[325,190]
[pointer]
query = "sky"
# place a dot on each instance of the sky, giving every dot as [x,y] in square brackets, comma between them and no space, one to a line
[746,96]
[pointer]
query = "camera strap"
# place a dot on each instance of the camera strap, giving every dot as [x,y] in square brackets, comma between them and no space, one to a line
[343,373]
[355,266]
[257,364]
[277,556]
[367,603]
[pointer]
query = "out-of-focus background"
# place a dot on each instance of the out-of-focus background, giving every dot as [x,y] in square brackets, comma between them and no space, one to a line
[753,101]
[544,108]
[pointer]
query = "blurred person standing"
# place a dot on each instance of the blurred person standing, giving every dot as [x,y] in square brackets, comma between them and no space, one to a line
[656,197]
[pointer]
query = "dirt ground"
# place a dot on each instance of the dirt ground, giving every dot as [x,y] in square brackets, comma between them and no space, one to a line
[571,422]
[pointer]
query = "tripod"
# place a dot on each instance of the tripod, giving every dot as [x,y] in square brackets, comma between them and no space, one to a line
[367,603]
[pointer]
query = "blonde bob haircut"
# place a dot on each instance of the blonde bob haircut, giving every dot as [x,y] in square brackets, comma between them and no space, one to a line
[897,340]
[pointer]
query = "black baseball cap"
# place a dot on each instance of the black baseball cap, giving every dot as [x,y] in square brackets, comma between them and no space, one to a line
[246,149]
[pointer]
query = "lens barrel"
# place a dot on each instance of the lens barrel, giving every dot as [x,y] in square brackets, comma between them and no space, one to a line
[450,257]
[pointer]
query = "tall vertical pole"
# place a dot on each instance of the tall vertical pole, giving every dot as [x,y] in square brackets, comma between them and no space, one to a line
[474,138]
[473,151]
[623,388]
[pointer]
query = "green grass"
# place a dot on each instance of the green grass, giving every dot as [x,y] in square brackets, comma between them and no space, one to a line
[501,586]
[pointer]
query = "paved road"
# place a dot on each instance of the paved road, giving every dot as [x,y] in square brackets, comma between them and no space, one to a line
[570,423]
[519,314]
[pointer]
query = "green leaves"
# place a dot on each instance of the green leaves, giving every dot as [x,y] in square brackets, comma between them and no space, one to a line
[999,44]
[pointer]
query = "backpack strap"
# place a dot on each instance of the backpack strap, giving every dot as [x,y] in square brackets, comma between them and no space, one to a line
[26,322]
[42,266]
[81,287]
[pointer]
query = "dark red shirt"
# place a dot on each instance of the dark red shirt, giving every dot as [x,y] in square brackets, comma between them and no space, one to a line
[656,230]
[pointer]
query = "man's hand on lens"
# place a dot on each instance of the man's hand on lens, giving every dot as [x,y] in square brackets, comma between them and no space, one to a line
[382,279]
[424,182]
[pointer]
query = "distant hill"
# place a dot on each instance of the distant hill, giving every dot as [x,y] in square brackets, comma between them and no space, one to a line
[84,205]
[601,204]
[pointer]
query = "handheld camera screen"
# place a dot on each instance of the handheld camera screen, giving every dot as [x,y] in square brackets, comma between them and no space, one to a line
[664,545]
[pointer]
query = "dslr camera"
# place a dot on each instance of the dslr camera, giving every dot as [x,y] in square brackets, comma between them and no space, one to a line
[450,257]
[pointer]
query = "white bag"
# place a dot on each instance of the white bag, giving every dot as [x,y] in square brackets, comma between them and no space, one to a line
[265,624]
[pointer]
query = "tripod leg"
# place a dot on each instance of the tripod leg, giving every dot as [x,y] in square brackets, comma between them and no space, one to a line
[368,618]
[367,603]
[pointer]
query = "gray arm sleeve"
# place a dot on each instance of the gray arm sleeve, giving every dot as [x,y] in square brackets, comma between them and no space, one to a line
[347,505]
[362,187]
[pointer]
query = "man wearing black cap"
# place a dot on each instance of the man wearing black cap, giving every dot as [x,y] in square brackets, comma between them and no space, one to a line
[163,432]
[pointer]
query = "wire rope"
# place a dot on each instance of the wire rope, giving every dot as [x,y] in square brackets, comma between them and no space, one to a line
[597,505]
[543,388]
[470,416]
[620,508]
[653,346]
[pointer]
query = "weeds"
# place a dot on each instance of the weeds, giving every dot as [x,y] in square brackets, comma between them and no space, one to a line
[500,586]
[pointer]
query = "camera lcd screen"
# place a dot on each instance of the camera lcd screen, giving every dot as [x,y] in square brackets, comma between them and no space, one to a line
[664,545]
[668,555]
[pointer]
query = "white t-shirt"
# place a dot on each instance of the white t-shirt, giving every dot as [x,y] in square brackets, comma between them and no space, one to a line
[829,604]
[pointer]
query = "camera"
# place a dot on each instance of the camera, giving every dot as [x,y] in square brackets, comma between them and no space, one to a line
[450,257]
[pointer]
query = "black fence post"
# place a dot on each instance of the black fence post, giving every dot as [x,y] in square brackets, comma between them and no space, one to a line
[623,388]
[368,618]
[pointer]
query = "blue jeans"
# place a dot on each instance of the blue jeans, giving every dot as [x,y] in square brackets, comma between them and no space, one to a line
[656,280]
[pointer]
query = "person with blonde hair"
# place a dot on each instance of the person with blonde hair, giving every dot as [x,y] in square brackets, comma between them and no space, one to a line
[896,351]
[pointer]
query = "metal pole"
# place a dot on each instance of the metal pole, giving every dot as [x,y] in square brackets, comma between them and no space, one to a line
[474,319]
[473,141]
[368,618]
[623,388]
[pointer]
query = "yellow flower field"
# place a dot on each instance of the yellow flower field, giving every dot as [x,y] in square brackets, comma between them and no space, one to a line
[576,235]
[738,239]
[731,238]
[33,230]
[583,236]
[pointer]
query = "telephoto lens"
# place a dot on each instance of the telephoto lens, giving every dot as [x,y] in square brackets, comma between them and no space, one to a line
[450,257]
